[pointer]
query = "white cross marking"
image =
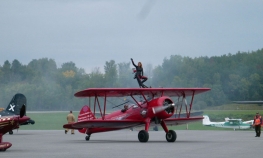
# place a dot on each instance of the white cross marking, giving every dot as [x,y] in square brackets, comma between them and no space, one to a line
[12,107]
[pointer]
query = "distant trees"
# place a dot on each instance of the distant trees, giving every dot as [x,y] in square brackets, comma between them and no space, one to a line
[47,87]
[231,77]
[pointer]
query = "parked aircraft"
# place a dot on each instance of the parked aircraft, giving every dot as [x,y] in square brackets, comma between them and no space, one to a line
[248,102]
[228,123]
[13,108]
[7,123]
[156,108]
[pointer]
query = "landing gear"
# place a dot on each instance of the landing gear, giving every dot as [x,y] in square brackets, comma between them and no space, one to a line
[87,137]
[143,136]
[3,150]
[10,132]
[171,136]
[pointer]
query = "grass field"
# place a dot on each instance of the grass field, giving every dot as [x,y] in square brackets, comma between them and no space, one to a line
[56,120]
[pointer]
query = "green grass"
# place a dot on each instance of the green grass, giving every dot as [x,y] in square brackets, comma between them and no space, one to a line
[56,120]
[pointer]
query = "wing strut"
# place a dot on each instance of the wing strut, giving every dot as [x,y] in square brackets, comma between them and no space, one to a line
[103,117]
[144,97]
[89,102]
[99,107]
[191,104]
[180,109]
[136,101]
[176,107]
[95,102]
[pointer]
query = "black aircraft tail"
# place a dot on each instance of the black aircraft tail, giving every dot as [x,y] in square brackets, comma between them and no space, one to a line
[16,104]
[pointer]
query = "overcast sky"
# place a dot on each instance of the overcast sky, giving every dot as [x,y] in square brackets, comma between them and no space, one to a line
[91,32]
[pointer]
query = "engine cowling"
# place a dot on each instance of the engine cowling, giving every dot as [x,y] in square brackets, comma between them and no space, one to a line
[161,107]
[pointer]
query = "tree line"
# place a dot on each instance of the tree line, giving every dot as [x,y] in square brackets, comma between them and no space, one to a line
[231,77]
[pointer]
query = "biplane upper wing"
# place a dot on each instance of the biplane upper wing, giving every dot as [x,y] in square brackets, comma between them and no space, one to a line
[122,92]
[180,121]
[104,124]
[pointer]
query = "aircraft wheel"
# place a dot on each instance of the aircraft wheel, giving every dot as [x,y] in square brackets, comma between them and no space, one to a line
[143,136]
[10,132]
[87,138]
[171,136]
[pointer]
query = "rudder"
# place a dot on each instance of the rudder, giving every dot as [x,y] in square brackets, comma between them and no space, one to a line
[206,120]
[85,114]
[16,103]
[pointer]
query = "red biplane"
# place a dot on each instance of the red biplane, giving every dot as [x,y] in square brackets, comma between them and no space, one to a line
[8,123]
[155,107]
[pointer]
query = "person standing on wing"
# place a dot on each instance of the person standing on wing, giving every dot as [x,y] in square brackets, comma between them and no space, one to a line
[139,74]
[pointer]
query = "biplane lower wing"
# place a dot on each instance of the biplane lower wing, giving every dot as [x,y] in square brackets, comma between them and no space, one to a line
[104,124]
[180,121]
[126,123]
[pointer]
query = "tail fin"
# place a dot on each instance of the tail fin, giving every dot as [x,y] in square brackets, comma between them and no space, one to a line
[206,120]
[85,114]
[16,104]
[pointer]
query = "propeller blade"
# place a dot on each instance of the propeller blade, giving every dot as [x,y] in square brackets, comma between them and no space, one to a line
[162,108]
[22,111]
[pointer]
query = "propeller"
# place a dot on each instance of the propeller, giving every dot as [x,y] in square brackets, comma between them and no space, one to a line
[22,111]
[161,108]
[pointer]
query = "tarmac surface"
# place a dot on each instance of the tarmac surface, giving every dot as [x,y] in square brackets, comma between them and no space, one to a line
[125,143]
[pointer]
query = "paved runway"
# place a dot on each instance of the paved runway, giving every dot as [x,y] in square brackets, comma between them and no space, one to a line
[124,143]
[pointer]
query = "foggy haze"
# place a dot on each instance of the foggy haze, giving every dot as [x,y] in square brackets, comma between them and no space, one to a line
[89,33]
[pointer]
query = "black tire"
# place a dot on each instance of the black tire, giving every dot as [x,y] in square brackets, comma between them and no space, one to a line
[143,136]
[87,138]
[10,132]
[171,136]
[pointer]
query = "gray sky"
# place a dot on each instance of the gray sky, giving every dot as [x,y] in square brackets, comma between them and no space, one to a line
[91,32]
